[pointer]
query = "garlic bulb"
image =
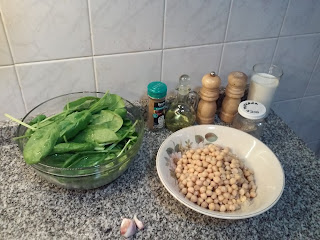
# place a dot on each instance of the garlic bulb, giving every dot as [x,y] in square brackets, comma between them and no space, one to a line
[128,227]
[138,222]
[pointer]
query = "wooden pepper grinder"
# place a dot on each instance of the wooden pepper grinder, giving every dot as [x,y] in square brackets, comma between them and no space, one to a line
[234,92]
[209,93]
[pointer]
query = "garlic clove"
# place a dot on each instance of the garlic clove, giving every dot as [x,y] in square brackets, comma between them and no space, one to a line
[128,227]
[138,222]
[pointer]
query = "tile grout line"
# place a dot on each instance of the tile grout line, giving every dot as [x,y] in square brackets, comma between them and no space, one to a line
[147,50]
[14,65]
[311,76]
[53,60]
[92,47]
[163,37]
[225,37]
[276,47]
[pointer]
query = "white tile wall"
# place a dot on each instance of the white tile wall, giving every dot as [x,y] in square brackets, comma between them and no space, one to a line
[297,56]
[194,61]
[308,119]
[198,22]
[302,17]
[288,110]
[42,30]
[241,56]
[314,83]
[10,94]
[252,19]
[5,55]
[45,80]
[62,46]
[126,26]
[128,74]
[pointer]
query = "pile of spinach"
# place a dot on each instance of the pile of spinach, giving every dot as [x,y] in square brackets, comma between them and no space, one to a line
[88,132]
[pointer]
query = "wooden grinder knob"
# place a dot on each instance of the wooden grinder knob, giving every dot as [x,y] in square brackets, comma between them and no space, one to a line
[237,82]
[209,93]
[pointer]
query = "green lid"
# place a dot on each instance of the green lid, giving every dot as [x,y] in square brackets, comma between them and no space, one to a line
[157,90]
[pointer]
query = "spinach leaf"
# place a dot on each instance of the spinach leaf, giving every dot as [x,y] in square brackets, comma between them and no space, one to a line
[56,160]
[97,135]
[122,112]
[109,120]
[72,147]
[37,119]
[81,104]
[73,124]
[41,143]
[108,101]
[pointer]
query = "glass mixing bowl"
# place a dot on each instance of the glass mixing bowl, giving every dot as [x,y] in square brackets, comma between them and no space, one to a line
[87,177]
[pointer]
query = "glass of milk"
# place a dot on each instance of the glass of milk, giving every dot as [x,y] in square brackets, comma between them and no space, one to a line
[264,83]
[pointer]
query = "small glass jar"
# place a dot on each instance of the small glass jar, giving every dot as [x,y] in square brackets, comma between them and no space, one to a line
[250,118]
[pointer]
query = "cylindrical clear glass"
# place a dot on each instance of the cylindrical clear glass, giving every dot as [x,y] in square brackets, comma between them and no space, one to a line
[264,83]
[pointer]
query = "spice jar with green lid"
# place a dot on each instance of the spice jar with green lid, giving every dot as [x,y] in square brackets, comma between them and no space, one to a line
[157,92]
[250,118]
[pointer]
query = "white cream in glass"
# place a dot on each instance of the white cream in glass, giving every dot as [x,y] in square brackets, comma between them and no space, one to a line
[264,83]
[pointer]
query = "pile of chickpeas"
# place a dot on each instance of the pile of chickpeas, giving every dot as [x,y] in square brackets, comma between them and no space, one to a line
[214,178]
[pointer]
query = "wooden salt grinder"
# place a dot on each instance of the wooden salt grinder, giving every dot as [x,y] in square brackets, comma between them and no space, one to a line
[209,93]
[234,92]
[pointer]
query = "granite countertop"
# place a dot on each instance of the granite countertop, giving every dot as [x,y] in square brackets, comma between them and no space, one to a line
[31,208]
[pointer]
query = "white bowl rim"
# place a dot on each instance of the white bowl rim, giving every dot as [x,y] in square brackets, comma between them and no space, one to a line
[199,209]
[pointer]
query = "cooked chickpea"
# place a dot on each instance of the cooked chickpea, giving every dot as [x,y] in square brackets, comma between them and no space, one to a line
[199,201]
[193,198]
[203,196]
[211,206]
[209,200]
[190,184]
[204,204]
[223,208]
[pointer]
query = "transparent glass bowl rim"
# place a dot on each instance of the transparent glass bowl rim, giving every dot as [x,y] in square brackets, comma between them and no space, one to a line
[87,170]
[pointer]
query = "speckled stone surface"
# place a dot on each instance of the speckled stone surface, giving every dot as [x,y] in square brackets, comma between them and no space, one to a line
[31,208]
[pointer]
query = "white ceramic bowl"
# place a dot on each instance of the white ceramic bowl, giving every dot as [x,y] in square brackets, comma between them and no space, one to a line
[257,156]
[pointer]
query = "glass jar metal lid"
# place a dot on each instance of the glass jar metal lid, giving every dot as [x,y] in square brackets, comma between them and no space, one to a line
[252,110]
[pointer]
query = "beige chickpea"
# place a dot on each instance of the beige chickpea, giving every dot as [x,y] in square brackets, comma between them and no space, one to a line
[209,193]
[193,198]
[190,189]
[220,198]
[243,198]
[189,195]
[206,183]
[209,200]
[216,179]
[199,183]
[203,196]
[199,201]
[190,184]
[184,191]
[223,208]
[218,191]
[184,182]
[204,204]
[211,206]
[205,164]
[196,187]
[253,194]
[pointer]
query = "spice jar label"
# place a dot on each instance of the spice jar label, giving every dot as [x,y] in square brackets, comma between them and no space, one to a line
[158,114]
